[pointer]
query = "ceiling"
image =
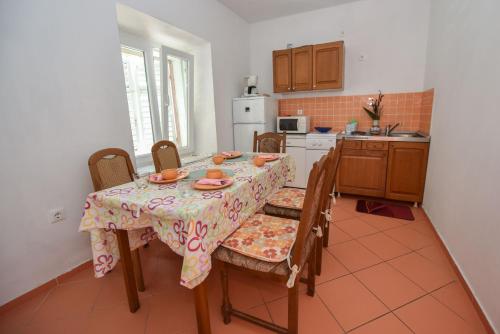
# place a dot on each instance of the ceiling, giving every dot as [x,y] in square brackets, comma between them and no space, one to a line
[259,10]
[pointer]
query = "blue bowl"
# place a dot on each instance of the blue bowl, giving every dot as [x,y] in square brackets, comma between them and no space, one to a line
[322,129]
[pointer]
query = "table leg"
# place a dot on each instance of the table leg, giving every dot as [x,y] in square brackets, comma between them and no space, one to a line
[201,305]
[136,261]
[128,270]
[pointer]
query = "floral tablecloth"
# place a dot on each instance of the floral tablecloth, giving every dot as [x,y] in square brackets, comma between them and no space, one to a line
[192,222]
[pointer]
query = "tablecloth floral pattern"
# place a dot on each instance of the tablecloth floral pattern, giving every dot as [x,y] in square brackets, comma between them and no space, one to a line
[193,223]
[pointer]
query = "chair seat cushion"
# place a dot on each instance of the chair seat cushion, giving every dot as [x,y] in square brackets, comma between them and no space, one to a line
[264,237]
[282,212]
[290,198]
[279,268]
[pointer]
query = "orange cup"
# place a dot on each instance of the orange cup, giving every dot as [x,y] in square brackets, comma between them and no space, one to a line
[218,159]
[214,174]
[169,174]
[259,162]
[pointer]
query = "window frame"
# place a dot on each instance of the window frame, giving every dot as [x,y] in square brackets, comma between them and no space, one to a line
[146,46]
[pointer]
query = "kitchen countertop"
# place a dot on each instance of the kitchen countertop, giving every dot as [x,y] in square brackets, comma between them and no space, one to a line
[422,137]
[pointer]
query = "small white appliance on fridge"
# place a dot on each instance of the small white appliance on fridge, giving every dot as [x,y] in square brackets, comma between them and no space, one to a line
[252,114]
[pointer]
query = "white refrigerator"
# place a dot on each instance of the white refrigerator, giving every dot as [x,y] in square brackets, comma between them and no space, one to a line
[251,114]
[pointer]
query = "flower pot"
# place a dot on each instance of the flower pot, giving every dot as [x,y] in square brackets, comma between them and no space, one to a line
[375,129]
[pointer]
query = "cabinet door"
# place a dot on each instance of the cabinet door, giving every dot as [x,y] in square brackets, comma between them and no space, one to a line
[282,70]
[302,68]
[362,172]
[406,171]
[328,65]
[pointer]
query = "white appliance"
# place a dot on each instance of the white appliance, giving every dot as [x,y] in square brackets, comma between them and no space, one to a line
[317,145]
[252,114]
[293,124]
[296,147]
[250,86]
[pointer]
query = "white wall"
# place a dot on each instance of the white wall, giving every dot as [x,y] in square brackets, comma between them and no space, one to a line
[391,34]
[463,180]
[62,97]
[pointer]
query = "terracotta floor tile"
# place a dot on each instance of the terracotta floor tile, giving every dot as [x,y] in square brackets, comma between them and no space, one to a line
[389,285]
[388,324]
[355,227]
[409,237]
[21,314]
[63,326]
[240,326]
[67,301]
[314,316]
[422,271]
[350,302]
[382,223]
[171,312]
[337,235]
[331,268]
[244,289]
[427,315]
[435,254]
[418,213]
[423,227]
[84,274]
[346,203]
[113,292]
[383,246]
[455,297]
[353,255]
[340,213]
[118,319]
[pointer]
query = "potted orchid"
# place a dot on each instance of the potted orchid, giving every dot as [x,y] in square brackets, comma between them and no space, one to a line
[374,110]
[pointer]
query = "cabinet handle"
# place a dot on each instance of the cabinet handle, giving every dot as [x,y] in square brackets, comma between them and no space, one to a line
[314,86]
[288,88]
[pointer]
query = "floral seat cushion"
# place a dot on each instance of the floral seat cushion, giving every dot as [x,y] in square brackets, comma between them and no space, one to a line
[290,198]
[264,237]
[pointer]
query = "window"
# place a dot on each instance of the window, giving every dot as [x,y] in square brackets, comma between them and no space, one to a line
[159,84]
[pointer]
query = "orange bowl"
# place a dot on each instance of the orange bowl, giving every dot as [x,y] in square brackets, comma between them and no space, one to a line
[259,162]
[218,159]
[169,174]
[214,174]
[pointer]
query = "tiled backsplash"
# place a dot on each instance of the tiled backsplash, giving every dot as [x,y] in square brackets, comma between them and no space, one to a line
[412,110]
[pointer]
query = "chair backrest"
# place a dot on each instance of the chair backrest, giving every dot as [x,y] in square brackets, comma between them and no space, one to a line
[269,142]
[165,155]
[311,208]
[110,167]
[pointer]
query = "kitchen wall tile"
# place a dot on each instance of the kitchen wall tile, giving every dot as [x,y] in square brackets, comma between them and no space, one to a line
[412,110]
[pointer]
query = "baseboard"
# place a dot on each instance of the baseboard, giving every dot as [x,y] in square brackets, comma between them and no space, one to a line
[463,281]
[44,287]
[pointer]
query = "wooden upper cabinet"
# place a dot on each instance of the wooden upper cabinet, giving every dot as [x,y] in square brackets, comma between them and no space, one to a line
[302,68]
[407,167]
[328,66]
[282,70]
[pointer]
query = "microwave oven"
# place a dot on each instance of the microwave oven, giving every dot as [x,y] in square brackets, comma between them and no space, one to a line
[293,124]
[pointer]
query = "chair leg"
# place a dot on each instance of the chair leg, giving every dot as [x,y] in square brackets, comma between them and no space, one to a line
[226,304]
[311,271]
[319,255]
[326,234]
[139,278]
[293,309]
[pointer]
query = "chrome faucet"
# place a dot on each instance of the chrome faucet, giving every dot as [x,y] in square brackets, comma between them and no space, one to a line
[389,128]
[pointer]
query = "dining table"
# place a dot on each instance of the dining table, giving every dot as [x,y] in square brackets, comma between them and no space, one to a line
[192,222]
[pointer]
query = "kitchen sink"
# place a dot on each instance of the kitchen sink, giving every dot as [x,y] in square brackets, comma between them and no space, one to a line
[406,135]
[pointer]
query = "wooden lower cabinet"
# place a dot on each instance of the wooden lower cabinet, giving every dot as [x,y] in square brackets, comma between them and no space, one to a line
[362,172]
[407,168]
[392,170]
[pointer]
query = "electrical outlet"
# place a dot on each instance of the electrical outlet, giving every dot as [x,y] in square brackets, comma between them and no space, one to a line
[300,112]
[56,215]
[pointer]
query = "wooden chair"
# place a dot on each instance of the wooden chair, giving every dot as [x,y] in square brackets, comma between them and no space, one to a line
[108,168]
[288,202]
[165,155]
[269,142]
[302,255]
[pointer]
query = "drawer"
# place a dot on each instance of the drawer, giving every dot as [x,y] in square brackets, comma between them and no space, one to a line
[375,145]
[352,144]
[295,142]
